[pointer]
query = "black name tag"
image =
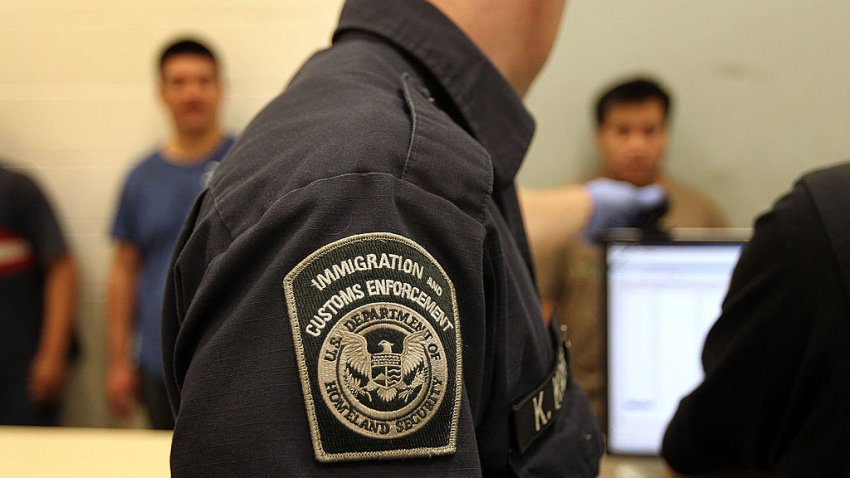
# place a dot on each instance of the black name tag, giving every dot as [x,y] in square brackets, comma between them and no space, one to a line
[536,412]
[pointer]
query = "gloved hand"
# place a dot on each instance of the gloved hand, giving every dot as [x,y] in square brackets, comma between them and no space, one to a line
[619,204]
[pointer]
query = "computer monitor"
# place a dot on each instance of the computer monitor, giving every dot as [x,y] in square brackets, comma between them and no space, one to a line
[661,298]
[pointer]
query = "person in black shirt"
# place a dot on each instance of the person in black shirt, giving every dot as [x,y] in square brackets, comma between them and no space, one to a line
[777,367]
[37,304]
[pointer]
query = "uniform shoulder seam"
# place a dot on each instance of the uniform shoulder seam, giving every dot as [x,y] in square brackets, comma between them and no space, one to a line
[221,219]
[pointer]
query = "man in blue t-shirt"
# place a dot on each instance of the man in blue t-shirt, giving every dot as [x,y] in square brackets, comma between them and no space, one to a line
[157,195]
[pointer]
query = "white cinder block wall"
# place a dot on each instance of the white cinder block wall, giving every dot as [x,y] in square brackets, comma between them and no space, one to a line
[78,106]
[760,96]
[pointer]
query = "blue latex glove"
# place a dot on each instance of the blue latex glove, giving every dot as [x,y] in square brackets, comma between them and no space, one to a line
[618,204]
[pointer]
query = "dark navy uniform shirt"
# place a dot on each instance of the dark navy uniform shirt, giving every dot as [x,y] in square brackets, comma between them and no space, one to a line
[30,241]
[401,135]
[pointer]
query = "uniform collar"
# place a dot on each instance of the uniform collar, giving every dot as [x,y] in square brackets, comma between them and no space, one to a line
[493,112]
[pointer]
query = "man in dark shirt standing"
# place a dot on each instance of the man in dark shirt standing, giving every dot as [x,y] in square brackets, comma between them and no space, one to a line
[353,294]
[37,304]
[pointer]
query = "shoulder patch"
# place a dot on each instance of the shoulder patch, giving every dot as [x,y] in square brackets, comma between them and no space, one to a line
[377,334]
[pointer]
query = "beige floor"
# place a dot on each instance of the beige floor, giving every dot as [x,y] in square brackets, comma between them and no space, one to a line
[100,452]
[83,452]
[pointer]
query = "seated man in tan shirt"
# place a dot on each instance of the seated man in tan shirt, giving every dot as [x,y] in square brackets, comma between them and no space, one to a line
[631,134]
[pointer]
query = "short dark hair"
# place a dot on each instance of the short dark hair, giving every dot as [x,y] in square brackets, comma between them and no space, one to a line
[636,90]
[186,46]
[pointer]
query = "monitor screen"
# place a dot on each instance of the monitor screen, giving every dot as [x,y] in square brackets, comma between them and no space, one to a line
[661,301]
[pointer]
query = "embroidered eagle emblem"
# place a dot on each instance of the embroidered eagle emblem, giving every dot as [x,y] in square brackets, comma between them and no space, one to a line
[386,372]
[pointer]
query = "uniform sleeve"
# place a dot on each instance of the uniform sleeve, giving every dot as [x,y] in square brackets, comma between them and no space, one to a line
[233,362]
[740,417]
[39,223]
